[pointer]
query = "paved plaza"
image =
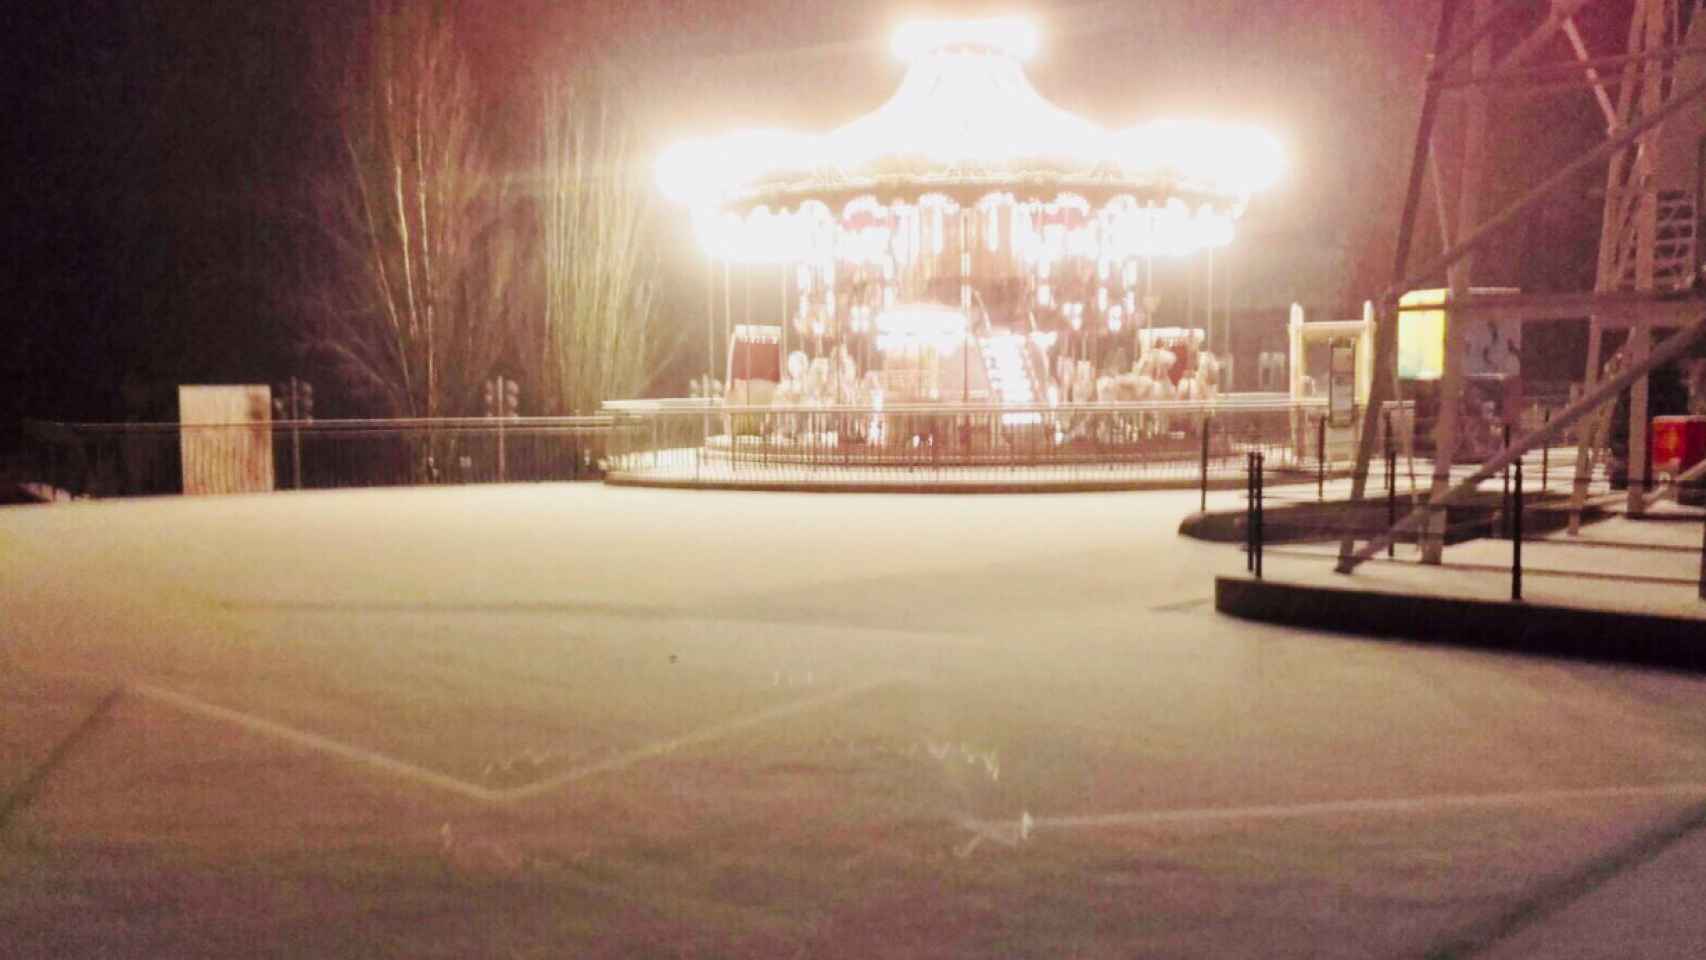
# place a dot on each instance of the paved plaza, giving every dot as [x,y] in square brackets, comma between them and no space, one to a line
[577,720]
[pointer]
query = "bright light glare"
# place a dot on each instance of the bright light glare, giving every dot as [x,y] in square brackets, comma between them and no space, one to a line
[976,109]
[971,115]
[707,171]
[676,177]
[1004,358]
[1012,36]
[811,234]
[914,327]
[1226,158]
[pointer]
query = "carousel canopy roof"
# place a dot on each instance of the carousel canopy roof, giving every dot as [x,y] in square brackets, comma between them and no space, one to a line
[966,122]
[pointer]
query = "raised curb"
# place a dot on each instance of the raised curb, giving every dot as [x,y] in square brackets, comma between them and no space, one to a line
[1316,521]
[915,486]
[1542,629]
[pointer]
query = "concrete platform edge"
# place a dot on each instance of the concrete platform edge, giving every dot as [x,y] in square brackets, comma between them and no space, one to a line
[909,486]
[1576,633]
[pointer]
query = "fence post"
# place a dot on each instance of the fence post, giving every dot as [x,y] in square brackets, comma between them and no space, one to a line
[1321,459]
[1261,509]
[1516,538]
[1545,455]
[295,433]
[1703,561]
[1207,422]
[1391,485]
[1505,499]
[1249,512]
[1391,500]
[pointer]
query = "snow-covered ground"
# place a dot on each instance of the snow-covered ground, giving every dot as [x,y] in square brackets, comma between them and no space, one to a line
[590,721]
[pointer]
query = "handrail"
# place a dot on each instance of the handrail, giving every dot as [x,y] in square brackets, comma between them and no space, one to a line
[331,425]
[615,409]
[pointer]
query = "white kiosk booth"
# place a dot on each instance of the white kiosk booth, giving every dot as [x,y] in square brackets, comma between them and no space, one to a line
[1344,380]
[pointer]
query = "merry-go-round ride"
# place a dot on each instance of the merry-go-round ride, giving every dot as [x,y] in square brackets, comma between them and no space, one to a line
[968,269]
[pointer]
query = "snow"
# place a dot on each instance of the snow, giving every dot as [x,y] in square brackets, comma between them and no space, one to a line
[731,703]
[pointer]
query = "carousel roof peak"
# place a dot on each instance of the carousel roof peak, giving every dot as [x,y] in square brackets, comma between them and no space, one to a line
[1007,36]
[966,122]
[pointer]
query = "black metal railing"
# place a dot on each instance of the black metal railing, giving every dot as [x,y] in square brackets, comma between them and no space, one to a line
[1529,502]
[139,459]
[1175,442]
[1255,504]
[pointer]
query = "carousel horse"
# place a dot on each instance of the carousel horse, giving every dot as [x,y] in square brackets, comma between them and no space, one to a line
[1209,373]
[848,376]
[1084,383]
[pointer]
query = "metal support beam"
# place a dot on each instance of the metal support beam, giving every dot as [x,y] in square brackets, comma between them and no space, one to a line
[1641,107]
[1535,42]
[1622,192]
[1587,64]
[1469,244]
[1589,440]
[1386,328]
[1617,309]
[1443,61]
[1635,468]
[1441,208]
[1673,485]
[1671,349]
[1451,382]
[1548,74]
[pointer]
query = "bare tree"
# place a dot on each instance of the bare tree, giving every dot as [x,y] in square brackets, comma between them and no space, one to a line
[423,297]
[595,337]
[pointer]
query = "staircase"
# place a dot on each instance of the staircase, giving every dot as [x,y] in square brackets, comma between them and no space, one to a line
[1011,378]
[1673,244]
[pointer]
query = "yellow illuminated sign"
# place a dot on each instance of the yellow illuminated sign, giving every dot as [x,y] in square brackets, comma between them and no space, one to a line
[1421,336]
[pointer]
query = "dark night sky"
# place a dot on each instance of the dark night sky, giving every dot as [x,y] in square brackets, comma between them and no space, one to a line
[150,190]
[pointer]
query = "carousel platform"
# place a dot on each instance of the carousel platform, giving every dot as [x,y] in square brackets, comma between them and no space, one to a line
[693,468]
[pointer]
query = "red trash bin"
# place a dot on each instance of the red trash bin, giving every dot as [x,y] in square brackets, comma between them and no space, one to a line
[1680,443]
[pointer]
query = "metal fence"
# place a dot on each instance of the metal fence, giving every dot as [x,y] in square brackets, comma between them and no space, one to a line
[949,444]
[706,442]
[1529,502]
[138,459]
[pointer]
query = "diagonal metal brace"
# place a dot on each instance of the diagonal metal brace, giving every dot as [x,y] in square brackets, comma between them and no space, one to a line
[1674,347]
[1468,244]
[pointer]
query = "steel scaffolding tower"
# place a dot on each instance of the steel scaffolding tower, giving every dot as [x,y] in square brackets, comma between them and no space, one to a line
[1653,97]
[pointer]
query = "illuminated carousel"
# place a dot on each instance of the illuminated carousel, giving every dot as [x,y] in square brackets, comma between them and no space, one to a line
[969,246]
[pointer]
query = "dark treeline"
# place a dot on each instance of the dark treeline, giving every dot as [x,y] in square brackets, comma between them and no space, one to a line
[161,205]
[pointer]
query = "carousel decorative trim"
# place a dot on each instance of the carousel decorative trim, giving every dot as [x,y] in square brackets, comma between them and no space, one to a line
[966,124]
